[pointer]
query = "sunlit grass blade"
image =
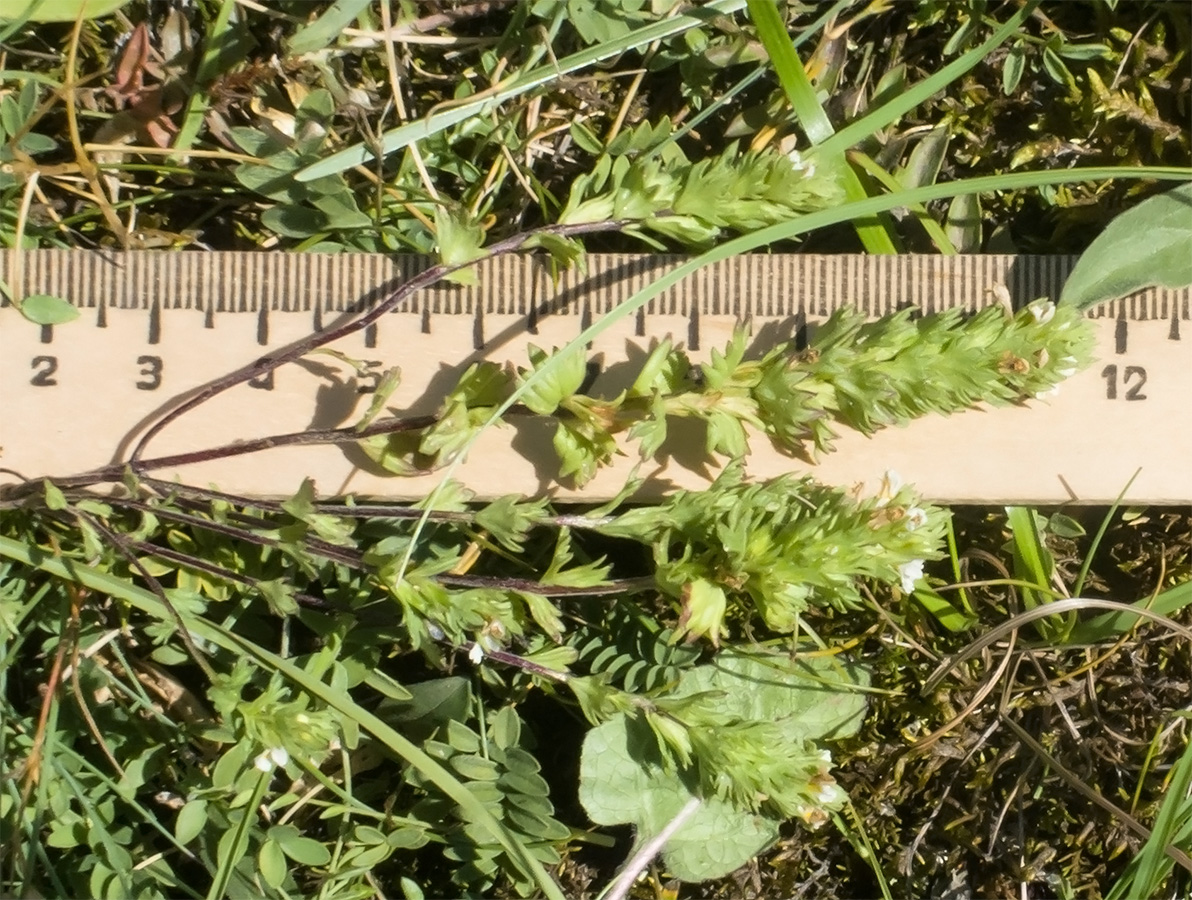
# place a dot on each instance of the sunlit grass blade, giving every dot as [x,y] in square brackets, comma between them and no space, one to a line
[1032,561]
[407,134]
[1111,625]
[918,94]
[1086,564]
[934,230]
[214,56]
[876,232]
[1145,875]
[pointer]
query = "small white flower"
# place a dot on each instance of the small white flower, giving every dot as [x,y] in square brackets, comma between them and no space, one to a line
[1069,364]
[910,572]
[1065,373]
[890,485]
[1050,392]
[476,653]
[829,792]
[272,758]
[916,517]
[1042,311]
[801,165]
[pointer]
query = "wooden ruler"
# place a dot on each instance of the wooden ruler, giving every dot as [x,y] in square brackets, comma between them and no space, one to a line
[156,325]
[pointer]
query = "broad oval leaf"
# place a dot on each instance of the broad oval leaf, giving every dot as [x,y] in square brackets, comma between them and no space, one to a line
[1143,247]
[272,863]
[191,820]
[46,309]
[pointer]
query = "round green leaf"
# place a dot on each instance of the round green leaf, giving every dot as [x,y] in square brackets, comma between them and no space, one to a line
[46,309]
[294,221]
[1144,246]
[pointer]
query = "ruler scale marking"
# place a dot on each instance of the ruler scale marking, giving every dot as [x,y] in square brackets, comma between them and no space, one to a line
[1144,332]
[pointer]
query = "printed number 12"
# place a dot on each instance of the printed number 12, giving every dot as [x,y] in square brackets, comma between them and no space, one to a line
[1134,390]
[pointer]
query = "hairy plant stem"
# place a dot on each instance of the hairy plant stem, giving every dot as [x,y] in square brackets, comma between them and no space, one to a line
[315,341]
[137,462]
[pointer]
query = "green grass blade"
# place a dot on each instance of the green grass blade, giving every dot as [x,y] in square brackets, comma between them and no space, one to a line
[209,67]
[1112,625]
[1148,870]
[411,132]
[934,230]
[789,69]
[229,856]
[876,232]
[1087,563]
[1029,553]
[889,112]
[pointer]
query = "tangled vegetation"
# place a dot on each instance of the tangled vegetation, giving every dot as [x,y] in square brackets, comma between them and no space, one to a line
[215,695]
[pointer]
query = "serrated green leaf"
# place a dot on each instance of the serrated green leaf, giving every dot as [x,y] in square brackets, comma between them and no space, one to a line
[1144,246]
[552,378]
[385,387]
[55,499]
[46,309]
[460,240]
[509,519]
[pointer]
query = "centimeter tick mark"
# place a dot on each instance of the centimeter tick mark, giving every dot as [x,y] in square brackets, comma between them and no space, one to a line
[1119,336]
[155,322]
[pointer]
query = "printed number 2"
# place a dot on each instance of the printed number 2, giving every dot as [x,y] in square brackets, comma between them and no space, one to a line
[44,368]
[1134,391]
